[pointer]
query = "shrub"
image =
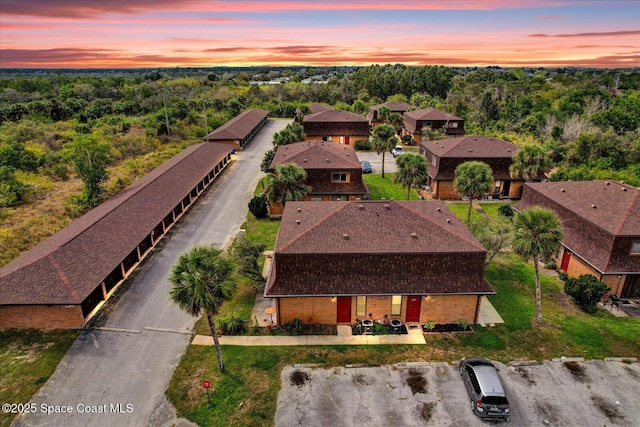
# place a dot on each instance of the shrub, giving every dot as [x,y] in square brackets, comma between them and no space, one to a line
[506,211]
[236,325]
[258,207]
[586,291]
[550,265]
[462,323]
[222,325]
[562,276]
[408,140]
[380,329]
[294,327]
[429,325]
[362,144]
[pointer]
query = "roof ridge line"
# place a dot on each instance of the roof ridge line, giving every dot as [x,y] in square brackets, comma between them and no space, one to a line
[627,212]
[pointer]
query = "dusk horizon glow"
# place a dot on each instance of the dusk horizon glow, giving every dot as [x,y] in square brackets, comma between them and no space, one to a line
[198,33]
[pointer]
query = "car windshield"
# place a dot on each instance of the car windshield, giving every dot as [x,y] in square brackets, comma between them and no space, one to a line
[495,400]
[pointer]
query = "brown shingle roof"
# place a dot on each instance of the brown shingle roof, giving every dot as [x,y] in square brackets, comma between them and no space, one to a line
[375,247]
[316,108]
[67,266]
[394,107]
[416,116]
[454,151]
[334,116]
[594,214]
[238,127]
[317,155]
[617,206]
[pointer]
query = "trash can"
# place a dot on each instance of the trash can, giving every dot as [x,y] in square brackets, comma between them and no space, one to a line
[367,326]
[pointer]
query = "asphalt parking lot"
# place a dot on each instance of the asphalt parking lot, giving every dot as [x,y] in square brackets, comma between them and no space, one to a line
[376,161]
[591,393]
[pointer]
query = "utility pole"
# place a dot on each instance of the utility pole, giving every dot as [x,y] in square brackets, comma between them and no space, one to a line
[166,114]
[204,110]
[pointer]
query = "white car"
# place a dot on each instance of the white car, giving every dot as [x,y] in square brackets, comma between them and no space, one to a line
[397,151]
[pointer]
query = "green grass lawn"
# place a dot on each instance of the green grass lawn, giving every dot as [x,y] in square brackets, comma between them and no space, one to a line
[385,188]
[27,360]
[460,210]
[492,208]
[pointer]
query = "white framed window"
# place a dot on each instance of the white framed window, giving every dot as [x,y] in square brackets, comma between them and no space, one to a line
[339,177]
[452,124]
[396,305]
[635,247]
[361,306]
[330,139]
[342,140]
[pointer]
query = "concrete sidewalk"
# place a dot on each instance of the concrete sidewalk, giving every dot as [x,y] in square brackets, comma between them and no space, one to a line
[414,336]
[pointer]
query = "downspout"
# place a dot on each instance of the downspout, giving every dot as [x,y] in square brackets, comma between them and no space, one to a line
[475,319]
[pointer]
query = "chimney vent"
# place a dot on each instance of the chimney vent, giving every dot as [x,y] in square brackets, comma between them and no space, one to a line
[414,235]
[448,221]
[593,206]
[439,209]
[562,190]
[345,236]
[298,221]
[299,210]
[361,207]
[387,207]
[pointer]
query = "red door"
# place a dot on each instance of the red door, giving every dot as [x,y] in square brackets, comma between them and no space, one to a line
[413,309]
[346,140]
[344,309]
[565,260]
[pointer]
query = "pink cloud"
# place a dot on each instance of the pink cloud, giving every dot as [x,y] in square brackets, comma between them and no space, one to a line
[551,17]
[602,34]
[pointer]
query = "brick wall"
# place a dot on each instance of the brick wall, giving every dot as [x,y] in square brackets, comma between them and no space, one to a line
[446,190]
[41,316]
[577,267]
[440,309]
[449,308]
[321,310]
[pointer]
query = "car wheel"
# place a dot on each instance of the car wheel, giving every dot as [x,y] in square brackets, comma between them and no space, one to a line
[461,370]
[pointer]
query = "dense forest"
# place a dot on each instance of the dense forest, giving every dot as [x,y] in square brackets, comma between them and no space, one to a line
[70,139]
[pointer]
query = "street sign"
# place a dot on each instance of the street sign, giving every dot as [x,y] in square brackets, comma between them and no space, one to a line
[207,384]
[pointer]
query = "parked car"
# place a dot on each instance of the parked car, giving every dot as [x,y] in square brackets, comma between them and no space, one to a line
[397,151]
[366,166]
[481,379]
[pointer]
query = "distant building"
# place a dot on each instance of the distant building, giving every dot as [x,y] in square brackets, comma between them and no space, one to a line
[432,118]
[333,171]
[329,125]
[445,155]
[239,130]
[394,107]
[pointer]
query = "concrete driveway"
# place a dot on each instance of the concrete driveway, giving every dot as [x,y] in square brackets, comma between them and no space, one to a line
[117,375]
[418,394]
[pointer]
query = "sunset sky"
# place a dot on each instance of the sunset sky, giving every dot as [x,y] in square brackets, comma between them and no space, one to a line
[195,33]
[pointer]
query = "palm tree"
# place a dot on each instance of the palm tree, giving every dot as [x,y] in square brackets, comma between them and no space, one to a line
[384,139]
[287,183]
[473,179]
[202,280]
[412,171]
[537,234]
[383,113]
[531,161]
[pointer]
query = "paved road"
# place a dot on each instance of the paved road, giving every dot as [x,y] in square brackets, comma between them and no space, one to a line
[105,368]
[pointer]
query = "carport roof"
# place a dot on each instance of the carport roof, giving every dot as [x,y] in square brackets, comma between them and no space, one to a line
[67,267]
[238,127]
